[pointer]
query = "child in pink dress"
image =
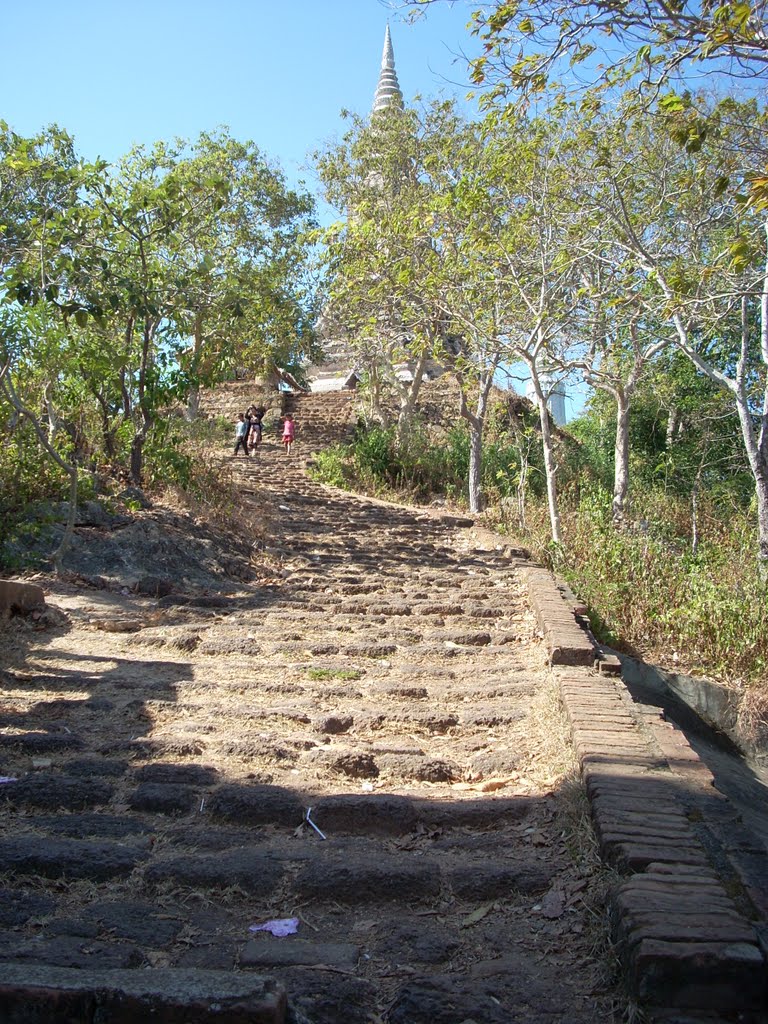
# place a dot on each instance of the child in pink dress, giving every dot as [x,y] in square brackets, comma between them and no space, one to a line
[289,432]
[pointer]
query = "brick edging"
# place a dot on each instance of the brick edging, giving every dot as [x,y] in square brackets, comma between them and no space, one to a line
[682,940]
[567,643]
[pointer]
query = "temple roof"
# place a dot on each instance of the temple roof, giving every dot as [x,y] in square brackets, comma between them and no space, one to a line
[388,90]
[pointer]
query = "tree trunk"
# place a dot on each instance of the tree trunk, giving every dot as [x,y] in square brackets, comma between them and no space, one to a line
[287,377]
[69,529]
[761,487]
[621,459]
[107,430]
[522,445]
[147,417]
[378,412]
[193,404]
[193,401]
[409,397]
[522,484]
[671,427]
[137,458]
[550,464]
[759,467]
[476,421]
[51,414]
[475,465]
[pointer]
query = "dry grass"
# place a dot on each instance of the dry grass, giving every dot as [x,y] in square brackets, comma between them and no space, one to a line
[551,761]
[752,718]
[212,494]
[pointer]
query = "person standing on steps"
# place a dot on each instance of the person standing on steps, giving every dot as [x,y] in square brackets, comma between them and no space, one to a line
[256,427]
[241,434]
[249,423]
[289,432]
[249,418]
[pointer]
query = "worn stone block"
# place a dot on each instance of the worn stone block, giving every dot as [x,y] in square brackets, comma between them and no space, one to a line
[372,650]
[363,814]
[16,908]
[349,881]
[256,805]
[699,975]
[40,995]
[572,654]
[178,774]
[256,873]
[473,813]
[93,824]
[162,798]
[20,597]
[635,856]
[51,791]
[669,901]
[263,952]
[130,919]
[69,858]
[486,881]
[694,927]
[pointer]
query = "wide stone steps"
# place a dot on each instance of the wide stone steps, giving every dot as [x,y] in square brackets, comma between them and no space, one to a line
[358,689]
[362,745]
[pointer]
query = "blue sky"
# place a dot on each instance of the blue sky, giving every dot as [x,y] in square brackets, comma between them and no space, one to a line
[114,74]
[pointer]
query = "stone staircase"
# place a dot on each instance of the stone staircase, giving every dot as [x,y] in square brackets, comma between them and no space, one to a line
[362,745]
[349,746]
[321,419]
[227,400]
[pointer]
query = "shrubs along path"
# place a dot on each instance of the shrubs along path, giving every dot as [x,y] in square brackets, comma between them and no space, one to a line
[391,680]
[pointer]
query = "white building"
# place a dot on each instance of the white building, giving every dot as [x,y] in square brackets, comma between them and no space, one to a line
[554,392]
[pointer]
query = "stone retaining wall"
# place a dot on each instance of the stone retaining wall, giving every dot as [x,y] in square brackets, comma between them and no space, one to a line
[715,703]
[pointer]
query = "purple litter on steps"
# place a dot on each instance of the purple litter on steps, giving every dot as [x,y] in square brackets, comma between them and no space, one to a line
[282,926]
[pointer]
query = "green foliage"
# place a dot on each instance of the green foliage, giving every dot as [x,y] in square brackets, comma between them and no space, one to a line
[376,462]
[706,612]
[329,466]
[167,454]
[531,46]
[27,479]
[703,450]
[422,466]
[126,288]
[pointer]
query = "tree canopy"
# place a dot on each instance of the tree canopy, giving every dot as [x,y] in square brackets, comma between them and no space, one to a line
[125,287]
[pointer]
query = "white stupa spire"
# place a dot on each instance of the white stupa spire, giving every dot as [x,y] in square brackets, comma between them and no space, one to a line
[388,90]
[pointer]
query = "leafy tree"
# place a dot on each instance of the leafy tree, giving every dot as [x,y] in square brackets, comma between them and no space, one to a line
[531,255]
[527,44]
[175,243]
[383,260]
[618,348]
[698,247]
